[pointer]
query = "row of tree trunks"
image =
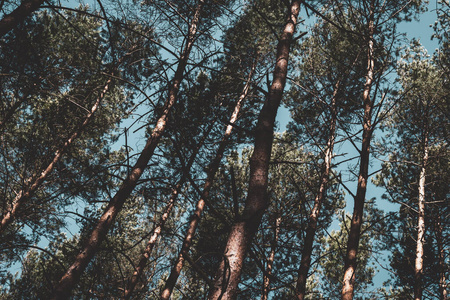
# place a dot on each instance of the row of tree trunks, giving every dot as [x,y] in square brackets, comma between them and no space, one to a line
[243,230]
[359,199]
[196,216]
[71,277]
[305,262]
[32,184]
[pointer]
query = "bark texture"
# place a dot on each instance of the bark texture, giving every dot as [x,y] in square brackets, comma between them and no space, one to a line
[196,216]
[242,232]
[34,183]
[418,266]
[70,279]
[18,15]
[359,199]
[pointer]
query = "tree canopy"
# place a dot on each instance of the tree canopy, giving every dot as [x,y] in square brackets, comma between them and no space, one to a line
[224,149]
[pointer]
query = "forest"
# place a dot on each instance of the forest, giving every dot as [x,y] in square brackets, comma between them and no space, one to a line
[224,149]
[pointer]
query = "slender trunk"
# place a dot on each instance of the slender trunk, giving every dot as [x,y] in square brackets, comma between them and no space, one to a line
[270,260]
[441,257]
[98,234]
[358,210]
[35,182]
[18,15]
[139,269]
[305,262]
[418,266]
[196,216]
[243,230]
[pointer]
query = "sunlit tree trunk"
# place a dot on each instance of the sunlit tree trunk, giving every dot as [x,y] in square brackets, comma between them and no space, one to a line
[418,266]
[24,10]
[243,230]
[305,262]
[270,260]
[358,209]
[69,280]
[33,183]
[196,216]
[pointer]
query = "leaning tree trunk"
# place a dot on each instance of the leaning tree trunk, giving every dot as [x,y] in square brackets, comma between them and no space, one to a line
[244,229]
[305,262]
[139,269]
[155,233]
[359,199]
[33,183]
[25,9]
[196,216]
[270,260]
[98,234]
[418,266]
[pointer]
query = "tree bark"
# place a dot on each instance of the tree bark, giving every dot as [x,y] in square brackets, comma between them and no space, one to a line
[359,199]
[18,15]
[270,260]
[35,183]
[72,275]
[196,216]
[305,262]
[242,232]
[418,266]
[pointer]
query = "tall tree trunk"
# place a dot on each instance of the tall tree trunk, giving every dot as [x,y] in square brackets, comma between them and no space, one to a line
[441,257]
[243,230]
[270,260]
[33,183]
[196,216]
[418,266]
[139,269]
[98,234]
[18,15]
[305,262]
[359,199]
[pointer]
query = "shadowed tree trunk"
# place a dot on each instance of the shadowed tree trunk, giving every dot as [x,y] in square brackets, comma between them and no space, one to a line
[18,15]
[441,257]
[243,230]
[139,269]
[359,199]
[270,260]
[305,262]
[70,279]
[34,183]
[196,216]
[418,266]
